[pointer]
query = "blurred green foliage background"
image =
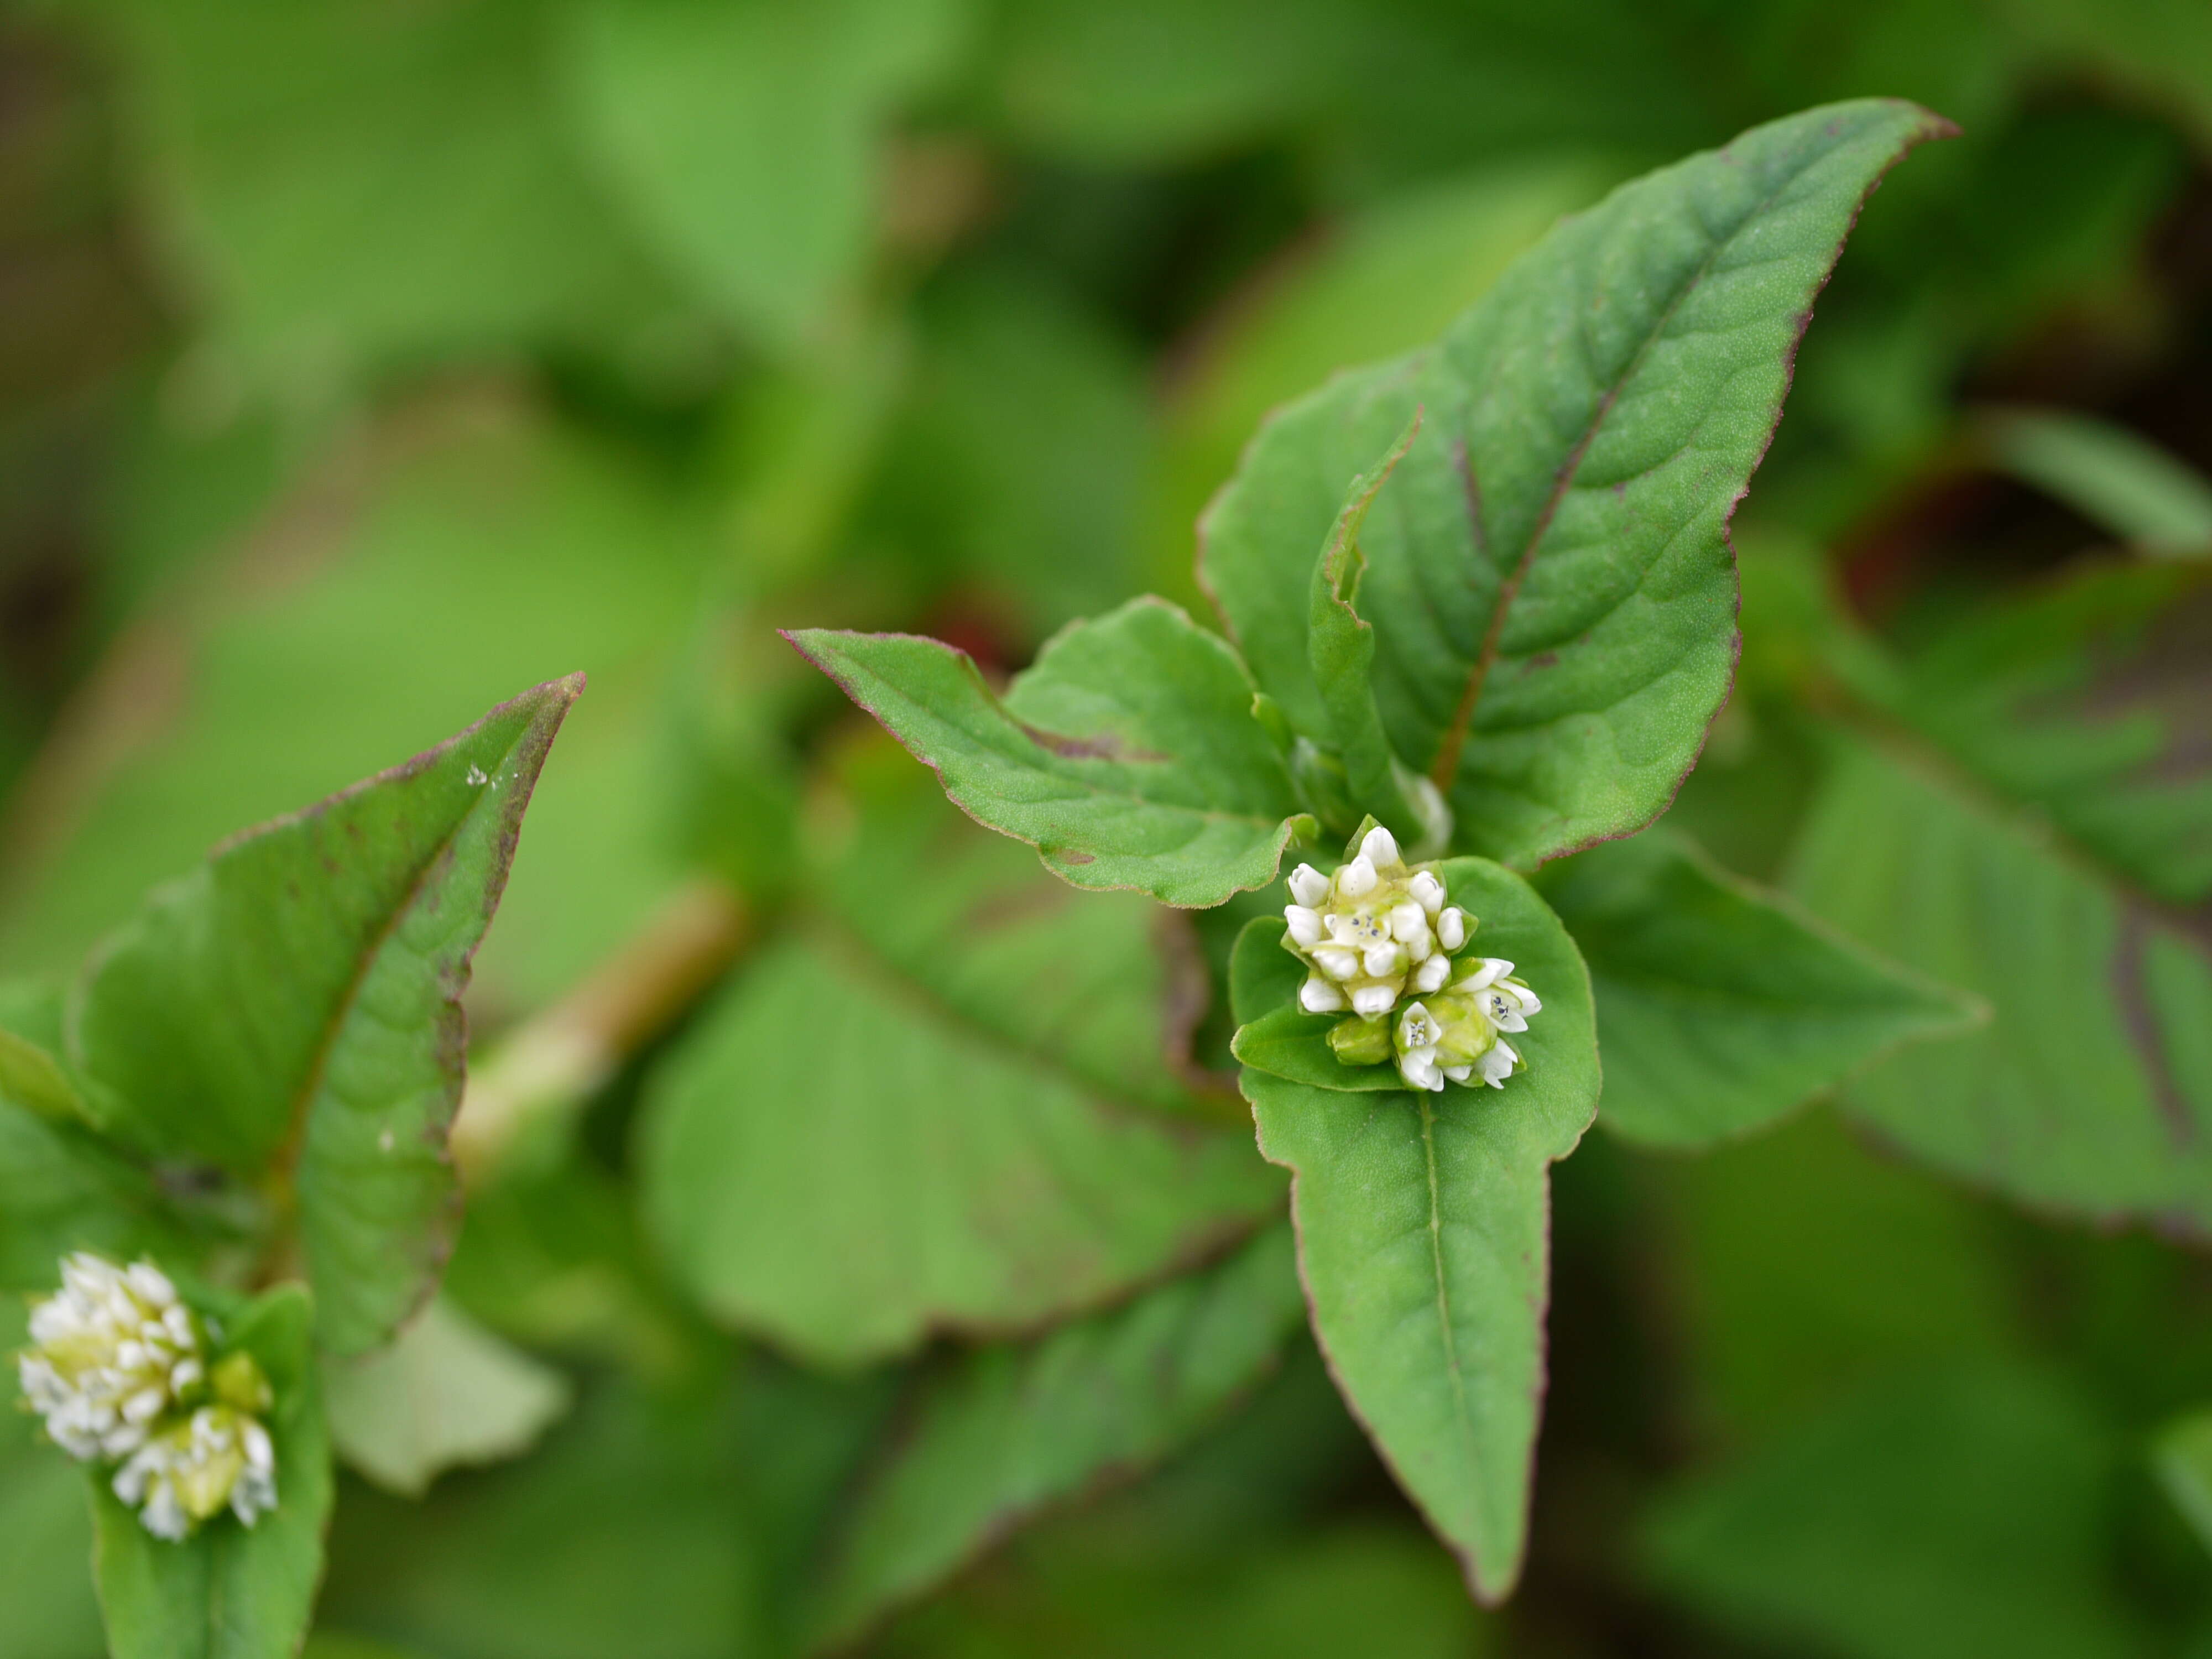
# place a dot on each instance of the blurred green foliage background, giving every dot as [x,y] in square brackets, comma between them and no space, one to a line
[364,362]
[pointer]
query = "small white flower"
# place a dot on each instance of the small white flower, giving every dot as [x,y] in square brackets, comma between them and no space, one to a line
[1430,975]
[1428,892]
[1373,999]
[1358,879]
[1502,1008]
[1380,848]
[1480,973]
[1418,1067]
[1451,928]
[1381,960]
[1305,925]
[1308,885]
[1497,1062]
[1318,996]
[1337,961]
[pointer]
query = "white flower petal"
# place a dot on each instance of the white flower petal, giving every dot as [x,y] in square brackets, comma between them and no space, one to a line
[1358,879]
[1379,847]
[1408,922]
[1381,960]
[1337,961]
[1430,976]
[1305,925]
[1318,996]
[1451,928]
[1459,1073]
[1308,885]
[1482,973]
[1428,892]
[1372,999]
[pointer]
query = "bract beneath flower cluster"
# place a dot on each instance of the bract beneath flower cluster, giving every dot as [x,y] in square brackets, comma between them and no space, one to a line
[1384,942]
[119,1368]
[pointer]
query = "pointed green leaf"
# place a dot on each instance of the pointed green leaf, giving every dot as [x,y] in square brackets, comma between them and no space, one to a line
[446,1393]
[2091,1090]
[1340,650]
[231,1591]
[1008,1429]
[1128,755]
[1720,1006]
[1423,1222]
[296,1002]
[1548,577]
[945,1104]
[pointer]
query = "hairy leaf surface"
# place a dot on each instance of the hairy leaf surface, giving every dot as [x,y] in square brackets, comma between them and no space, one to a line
[1549,578]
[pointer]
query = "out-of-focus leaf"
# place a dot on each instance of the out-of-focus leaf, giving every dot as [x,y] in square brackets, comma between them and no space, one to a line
[1156,81]
[2184,1461]
[1931,1517]
[32,1075]
[946,1103]
[447,1392]
[2113,477]
[1386,281]
[2056,879]
[623,1535]
[231,1591]
[2084,704]
[45,1534]
[1380,1592]
[2089,1090]
[742,138]
[465,548]
[349,188]
[1020,459]
[1548,573]
[1422,1226]
[337,1645]
[2159,50]
[61,1190]
[1809,1265]
[1007,1429]
[296,1000]
[1126,755]
[1720,1006]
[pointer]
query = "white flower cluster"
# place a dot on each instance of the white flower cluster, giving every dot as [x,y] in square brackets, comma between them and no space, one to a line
[119,1368]
[1376,932]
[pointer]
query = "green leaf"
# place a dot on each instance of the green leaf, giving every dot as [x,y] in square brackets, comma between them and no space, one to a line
[1720,1006]
[330,229]
[45,1531]
[2117,479]
[31,1038]
[295,1001]
[1422,1226]
[1549,578]
[446,1393]
[2082,704]
[1008,1429]
[742,137]
[2183,1457]
[624,1534]
[1959,1513]
[945,1104]
[231,1591]
[1340,651]
[62,1189]
[1127,754]
[467,535]
[2091,1091]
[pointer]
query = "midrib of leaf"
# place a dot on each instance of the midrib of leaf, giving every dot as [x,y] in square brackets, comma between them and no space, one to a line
[1436,1258]
[1445,767]
[909,989]
[288,1155]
